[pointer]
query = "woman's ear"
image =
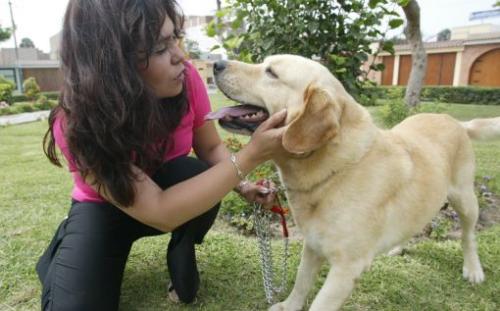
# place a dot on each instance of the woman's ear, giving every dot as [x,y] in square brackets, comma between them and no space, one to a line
[317,123]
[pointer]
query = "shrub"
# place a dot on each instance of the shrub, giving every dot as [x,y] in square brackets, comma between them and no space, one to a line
[24,98]
[393,112]
[31,88]
[51,95]
[26,107]
[6,89]
[41,104]
[19,98]
[396,110]
[6,92]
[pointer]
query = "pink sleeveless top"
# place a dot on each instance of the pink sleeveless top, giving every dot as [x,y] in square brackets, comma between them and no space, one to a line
[182,138]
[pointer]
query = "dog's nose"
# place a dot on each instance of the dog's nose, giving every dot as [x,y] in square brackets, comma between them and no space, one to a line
[219,66]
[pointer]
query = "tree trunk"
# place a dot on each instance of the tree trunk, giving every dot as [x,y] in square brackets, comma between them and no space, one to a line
[419,57]
[217,21]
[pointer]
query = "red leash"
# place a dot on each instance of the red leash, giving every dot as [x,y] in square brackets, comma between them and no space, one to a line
[278,209]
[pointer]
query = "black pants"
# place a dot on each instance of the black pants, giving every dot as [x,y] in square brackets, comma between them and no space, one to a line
[83,266]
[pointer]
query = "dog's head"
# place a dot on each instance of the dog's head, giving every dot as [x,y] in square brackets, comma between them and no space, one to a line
[313,97]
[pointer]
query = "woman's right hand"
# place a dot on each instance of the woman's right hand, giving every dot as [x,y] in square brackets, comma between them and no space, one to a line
[266,140]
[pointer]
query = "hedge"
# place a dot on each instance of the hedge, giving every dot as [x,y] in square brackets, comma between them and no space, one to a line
[24,98]
[444,94]
[41,104]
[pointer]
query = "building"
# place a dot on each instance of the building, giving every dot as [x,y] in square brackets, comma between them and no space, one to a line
[32,63]
[55,43]
[206,71]
[470,57]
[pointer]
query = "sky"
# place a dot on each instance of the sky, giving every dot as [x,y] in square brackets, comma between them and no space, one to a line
[41,19]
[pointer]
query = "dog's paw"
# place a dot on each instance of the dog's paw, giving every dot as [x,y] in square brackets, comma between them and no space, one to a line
[475,275]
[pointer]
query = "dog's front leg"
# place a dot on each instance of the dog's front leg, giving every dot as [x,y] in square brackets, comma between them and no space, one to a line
[310,263]
[338,285]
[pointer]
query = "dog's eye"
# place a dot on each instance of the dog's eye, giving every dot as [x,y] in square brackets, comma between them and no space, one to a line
[271,73]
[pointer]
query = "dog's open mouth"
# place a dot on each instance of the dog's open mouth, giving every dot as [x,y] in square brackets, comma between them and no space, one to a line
[240,119]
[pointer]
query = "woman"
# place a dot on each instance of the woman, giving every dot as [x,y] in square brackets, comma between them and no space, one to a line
[130,111]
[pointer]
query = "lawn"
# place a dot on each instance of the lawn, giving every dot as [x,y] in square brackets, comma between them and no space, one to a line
[34,198]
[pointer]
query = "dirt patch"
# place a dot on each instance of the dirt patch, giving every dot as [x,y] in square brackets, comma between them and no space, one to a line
[445,225]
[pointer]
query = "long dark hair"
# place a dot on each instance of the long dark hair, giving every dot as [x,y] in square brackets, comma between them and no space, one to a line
[112,118]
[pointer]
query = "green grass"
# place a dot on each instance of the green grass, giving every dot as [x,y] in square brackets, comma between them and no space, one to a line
[34,198]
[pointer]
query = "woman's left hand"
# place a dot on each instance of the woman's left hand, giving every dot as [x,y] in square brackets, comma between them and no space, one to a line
[261,194]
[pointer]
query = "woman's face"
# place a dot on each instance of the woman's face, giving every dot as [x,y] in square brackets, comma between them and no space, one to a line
[165,73]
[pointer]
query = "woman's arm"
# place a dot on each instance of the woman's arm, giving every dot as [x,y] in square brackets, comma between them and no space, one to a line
[167,209]
[208,146]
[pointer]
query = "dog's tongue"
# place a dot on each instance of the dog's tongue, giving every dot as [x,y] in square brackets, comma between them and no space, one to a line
[233,111]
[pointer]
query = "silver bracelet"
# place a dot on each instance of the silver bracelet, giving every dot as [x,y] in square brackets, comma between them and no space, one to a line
[237,167]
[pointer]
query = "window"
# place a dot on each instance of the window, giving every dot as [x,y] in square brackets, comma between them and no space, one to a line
[9,74]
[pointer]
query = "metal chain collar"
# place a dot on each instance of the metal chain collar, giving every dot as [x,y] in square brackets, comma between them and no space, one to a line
[262,221]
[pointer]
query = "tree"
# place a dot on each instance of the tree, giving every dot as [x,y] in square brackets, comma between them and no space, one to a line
[419,56]
[26,43]
[337,33]
[444,35]
[496,4]
[5,34]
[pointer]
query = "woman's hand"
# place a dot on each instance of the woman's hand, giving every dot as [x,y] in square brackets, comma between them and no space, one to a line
[255,193]
[266,140]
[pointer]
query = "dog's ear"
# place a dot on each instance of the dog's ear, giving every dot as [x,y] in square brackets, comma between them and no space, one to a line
[317,123]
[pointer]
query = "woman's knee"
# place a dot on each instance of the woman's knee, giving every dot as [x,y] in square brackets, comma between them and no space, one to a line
[83,268]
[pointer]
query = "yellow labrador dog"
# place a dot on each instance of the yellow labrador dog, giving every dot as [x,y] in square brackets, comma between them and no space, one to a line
[354,190]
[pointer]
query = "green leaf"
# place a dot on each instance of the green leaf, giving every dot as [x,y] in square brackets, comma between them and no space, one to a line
[215,47]
[223,12]
[403,3]
[338,60]
[395,23]
[378,67]
[210,29]
[373,3]
[236,24]
[234,42]
[388,46]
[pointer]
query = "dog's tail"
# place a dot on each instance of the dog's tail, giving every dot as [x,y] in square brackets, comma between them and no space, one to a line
[483,129]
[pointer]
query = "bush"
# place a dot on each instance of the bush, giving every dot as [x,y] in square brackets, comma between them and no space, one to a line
[31,88]
[444,94]
[24,98]
[6,89]
[19,98]
[41,104]
[51,95]
[6,92]
[393,112]
[396,110]
[26,107]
